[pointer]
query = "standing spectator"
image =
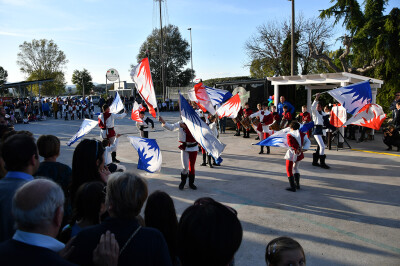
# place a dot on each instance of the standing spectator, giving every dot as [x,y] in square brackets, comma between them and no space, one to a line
[126,194]
[282,103]
[55,108]
[222,124]
[160,214]
[396,117]
[21,162]
[38,211]
[101,102]
[393,104]
[46,108]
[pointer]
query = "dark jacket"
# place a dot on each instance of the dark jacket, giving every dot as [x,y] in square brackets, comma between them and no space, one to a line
[396,118]
[147,247]
[17,253]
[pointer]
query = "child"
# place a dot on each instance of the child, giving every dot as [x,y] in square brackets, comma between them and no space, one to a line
[297,142]
[246,113]
[109,149]
[144,127]
[284,251]
[304,117]
[286,117]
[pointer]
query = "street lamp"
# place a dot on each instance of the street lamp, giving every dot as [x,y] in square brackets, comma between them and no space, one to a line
[191,51]
[292,43]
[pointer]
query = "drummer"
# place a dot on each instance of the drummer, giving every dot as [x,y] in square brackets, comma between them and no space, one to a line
[246,113]
[259,108]
[266,119]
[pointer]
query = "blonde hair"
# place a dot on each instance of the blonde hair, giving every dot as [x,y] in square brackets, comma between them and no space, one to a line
[126,194]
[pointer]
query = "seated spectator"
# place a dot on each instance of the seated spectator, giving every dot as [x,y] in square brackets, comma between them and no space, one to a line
[391,138]
[89,205]
[160,214]
[284,251]
[109,149]
[126,194]
[209,233]
[88,164]
[286,117]
[21,162]
[37,208]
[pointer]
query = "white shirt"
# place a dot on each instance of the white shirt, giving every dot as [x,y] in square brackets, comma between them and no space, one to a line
[110,120]
[108,151]
[181,134]
[38,240]
[317,117]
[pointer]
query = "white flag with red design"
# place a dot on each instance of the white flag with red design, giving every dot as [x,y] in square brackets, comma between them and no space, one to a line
[135,112]
[141,75]
[338,116]
[203,99]
[371,115]
[230,108]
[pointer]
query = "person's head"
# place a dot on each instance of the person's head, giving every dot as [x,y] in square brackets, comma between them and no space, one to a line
[160,213]
[105,143]
[2,111]
[38,207]
[141,114]
[285,108]
[319,107]
[89,202]
[397,96]
[284,251]
[282,99]
[294,125]
[273,108]
[264,105]
[126,194]
[105,108]
[3,121]
[304,108]
[212,118]
[398,105]
[259,106]
[87,161]
[48,146]
[327,109]
[246,105]
[20,153]
[209,233]
[390,128]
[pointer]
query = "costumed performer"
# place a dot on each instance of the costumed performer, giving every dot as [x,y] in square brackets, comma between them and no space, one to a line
[247,112]
[144,126]
[266,119]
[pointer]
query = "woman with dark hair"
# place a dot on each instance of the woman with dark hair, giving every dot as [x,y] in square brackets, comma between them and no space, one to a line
[88,164]
[160,214]
[89,205]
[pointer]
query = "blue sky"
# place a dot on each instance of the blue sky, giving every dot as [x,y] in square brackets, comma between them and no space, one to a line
[99,34]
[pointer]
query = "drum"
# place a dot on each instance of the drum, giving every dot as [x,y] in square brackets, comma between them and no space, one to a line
[255,122]
[245,122]
[275,126]
[235,120]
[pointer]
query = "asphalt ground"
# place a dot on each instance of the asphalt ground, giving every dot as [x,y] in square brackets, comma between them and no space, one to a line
[347,215]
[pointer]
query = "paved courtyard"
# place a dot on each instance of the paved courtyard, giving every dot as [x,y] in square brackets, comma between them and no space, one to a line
[347,215]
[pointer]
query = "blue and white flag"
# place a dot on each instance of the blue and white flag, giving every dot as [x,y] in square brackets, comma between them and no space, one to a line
[353,97]
[306,127]
[150,158]
[279,139]
[218,96]
[200,130]
[117,104]
[86,127]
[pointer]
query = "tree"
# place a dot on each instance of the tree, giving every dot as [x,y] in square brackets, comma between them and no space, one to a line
[42,59]
[269,49]
[176,56]
[371,45]
[82,78]
[3,79]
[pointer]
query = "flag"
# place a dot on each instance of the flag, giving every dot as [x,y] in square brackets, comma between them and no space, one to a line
[230,108]
[141,75]
[135,112]
[353,97]
[116,105]
[338,116]
[279,139]
[218,96]
[86,126]
[306,127]
[371,116]
[200,130]
[203,100]
[150,158]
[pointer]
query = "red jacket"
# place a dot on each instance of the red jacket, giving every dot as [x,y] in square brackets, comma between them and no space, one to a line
[305,117]
[292,142]
[287,116]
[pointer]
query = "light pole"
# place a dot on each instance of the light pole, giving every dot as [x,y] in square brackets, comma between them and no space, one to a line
[292,43]
[191,51]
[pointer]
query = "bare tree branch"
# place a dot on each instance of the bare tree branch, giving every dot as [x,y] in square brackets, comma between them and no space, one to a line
[317,54]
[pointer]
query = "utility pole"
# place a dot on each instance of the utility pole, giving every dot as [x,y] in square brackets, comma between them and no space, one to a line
[162,54]
[191,51]
[292,43]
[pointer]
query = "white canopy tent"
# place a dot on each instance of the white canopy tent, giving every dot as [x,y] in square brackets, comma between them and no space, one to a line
[323,81]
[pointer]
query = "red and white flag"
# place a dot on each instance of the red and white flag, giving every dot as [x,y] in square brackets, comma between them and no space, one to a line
[141,75]
[371,115]
[203,99]
[135,112]
[338,116]
[230,108]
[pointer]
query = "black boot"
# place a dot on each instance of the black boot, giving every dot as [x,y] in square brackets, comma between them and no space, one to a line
[292,185]
[257,138]
[262,150]
[114,157]
[315,159]
[390,148]
[268,150]
[204,160]
[237,132]
[214,162]
[183,181]
[191,182]
[209,161]
[297,180]
[322,159]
